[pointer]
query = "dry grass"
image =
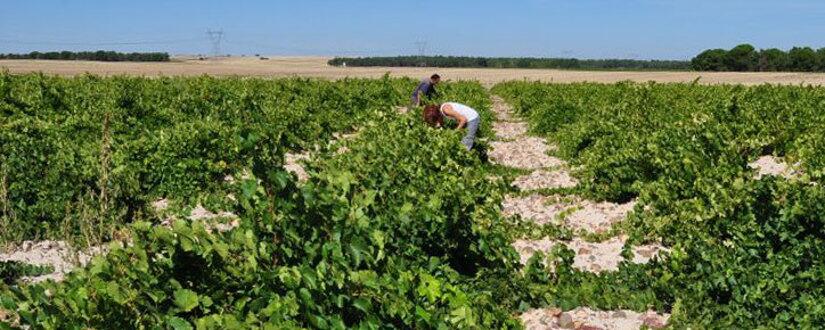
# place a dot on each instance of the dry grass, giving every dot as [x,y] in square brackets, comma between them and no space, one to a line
[317,67]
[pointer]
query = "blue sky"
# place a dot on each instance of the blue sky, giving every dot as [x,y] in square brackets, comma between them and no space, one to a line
[642,29]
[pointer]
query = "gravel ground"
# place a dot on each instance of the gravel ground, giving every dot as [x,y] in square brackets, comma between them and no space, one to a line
[770,165]
[57,254]
[544,179]
[160,204]
[525,153]
[522,152]
[200,213]
[581,215]
[586,318]
[501,109]
[292,163]
[509,130]
[590,257]
[598,217]
[537,208]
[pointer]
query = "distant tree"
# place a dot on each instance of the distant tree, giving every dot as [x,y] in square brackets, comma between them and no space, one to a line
[773,60]
[742,58]
[803,59]
[511,62]
[710,60]
[820,56]
[100,55]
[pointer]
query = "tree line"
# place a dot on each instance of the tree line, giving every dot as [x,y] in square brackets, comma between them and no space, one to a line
[746,58]
[100,55]
[741,58]
[511,62]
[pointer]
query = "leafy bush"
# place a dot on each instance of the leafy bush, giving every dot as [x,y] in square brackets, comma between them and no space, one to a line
[12,271]
[72,144]
[392,233]
[746,252]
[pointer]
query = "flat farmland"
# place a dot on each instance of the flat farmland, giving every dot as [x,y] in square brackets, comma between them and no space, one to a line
[317,67]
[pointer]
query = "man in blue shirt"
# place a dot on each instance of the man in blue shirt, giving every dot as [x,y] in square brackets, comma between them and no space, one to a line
[425,88]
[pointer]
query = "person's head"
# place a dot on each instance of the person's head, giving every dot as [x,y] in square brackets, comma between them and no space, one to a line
[435,78]
[432,116]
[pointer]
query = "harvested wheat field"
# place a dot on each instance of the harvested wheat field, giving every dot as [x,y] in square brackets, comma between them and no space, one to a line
[317,67]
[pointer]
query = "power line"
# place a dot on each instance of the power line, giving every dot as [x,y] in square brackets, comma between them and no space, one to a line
[422,47]
[315,51]
[114,43]
[215,37]
[218,39]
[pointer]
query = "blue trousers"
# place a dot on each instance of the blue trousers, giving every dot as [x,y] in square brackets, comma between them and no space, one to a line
[469,138]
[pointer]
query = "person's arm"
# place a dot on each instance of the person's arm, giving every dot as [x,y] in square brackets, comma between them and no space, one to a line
[462,121]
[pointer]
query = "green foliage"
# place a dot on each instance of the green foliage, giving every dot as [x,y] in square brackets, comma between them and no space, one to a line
[710,60]
[804,59]
[402,230]
[397,232]
[773,60]
[745,58]
[11,271]
[167,137]
[746,252]
[741,58]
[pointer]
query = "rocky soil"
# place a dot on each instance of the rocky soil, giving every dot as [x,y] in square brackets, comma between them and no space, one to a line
[772,166]
[546,179]
[292,163]
[57,254]
[516,149]
[509,130]
[585,318]
[538,208]
[525,153]
[591,257]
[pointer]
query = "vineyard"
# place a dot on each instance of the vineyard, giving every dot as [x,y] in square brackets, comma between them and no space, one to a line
[218,203]
[726,177]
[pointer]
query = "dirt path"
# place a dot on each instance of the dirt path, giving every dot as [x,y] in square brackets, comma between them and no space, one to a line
[516,149]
